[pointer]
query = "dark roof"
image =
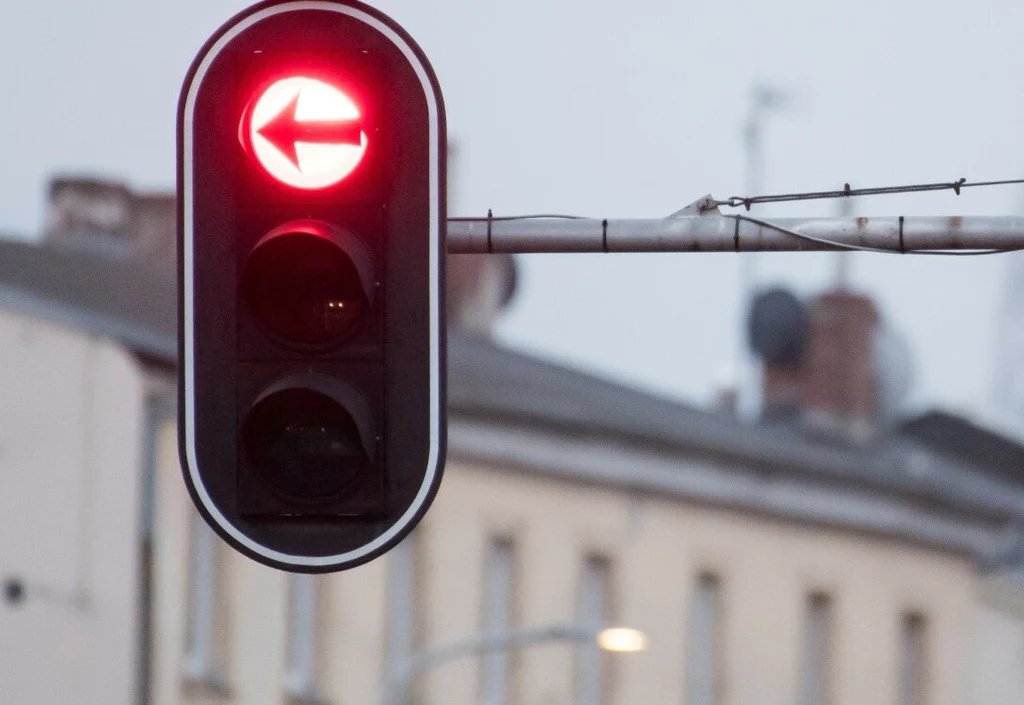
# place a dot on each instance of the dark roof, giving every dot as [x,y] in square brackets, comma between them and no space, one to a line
[962,438]
[134,302]
[489,380]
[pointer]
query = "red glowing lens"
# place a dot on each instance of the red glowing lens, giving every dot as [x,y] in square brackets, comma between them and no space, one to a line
[306,133]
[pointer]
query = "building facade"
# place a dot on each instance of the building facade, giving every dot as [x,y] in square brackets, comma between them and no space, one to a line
[73,444]
[765,566]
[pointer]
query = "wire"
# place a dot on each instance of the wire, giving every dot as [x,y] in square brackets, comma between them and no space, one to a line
[748,201]
[864,248]
[847,192]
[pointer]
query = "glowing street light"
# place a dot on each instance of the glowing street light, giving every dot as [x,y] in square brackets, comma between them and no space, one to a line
[622,640]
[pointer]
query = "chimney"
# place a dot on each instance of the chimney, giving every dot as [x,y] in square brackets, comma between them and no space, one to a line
[841,384]
[478,288]
[89,212]
[107,217]
[156,227]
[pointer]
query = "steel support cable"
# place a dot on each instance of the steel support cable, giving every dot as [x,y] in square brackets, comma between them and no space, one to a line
[863,248]
[847,192]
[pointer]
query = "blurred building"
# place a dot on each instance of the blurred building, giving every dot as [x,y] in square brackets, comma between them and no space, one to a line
[87,384]
[828,555]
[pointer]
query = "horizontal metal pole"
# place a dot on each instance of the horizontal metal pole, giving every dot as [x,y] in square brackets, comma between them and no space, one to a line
[732,233]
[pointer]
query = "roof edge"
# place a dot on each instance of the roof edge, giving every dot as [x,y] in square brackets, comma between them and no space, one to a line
[596,462]
[140,340]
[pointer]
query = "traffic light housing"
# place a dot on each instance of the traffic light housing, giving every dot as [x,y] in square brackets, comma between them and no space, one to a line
[311,210]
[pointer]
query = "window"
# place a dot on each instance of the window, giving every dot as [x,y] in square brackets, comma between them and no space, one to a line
[303,638]
[818,657]
[913,657]
[594,608]
[206,651]
[704,643]
[402,599]
[498,619]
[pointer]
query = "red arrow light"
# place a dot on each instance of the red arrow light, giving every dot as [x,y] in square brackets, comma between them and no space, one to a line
[306,133]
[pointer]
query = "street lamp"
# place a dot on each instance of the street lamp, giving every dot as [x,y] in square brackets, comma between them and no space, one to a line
[616,639]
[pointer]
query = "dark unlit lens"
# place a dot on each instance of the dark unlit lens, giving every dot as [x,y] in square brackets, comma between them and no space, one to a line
[303,288]
[305,445]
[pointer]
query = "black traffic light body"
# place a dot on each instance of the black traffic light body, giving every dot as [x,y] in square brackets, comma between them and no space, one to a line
[311,182]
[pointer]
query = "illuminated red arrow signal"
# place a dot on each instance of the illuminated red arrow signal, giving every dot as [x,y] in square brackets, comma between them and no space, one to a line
[306,133]
[284,130]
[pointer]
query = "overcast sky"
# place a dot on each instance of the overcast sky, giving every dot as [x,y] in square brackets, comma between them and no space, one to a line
[615,109]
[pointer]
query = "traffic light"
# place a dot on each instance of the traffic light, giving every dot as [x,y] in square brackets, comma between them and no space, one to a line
[311,209]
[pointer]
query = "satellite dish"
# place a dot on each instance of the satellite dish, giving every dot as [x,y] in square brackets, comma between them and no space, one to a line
[777,327]
[894,370]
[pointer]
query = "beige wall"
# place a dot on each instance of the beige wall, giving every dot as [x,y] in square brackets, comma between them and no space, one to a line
[352,662]
[656,547]
[71,445]
[998,653]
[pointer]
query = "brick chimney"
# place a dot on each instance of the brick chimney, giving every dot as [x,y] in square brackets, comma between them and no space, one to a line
[478,288]
[841,384]
[107,217]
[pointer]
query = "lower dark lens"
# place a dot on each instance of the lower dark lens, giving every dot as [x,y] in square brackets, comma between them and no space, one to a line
[305,445]
[303,288]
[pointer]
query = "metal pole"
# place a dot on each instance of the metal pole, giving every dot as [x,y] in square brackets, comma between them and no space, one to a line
[744,392]
[843,258]
[395,688]
[731,233]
